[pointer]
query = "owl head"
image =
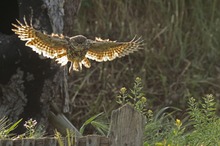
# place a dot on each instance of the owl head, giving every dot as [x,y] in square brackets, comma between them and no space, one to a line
[78,42]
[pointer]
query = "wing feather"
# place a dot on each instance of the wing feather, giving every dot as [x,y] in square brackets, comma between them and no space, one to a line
[55,46]
[51,46]
[105,50]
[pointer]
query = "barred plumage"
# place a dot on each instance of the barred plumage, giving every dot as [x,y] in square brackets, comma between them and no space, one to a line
[77,49]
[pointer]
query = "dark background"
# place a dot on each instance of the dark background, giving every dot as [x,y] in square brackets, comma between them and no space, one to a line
[8,13]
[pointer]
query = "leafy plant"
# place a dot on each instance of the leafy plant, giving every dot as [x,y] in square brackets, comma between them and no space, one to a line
[202,127]
[59,138]
[98,124]
[70,137]
[162,128]
[202,113]
[205,122]
[135,97]
[30,126]
[6,127]
[32,130]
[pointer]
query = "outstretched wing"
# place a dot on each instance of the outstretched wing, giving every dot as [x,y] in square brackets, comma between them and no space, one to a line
[106,50]
[51,46]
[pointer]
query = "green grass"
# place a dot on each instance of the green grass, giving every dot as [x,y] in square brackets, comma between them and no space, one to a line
[6,127]
[32,129]
[180,58]
[199,126]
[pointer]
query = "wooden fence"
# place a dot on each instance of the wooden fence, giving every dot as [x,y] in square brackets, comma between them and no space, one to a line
[126,129]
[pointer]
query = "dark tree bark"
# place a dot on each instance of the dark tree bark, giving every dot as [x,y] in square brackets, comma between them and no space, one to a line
[30,83]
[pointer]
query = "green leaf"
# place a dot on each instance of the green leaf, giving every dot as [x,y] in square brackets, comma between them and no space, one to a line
[6,127]
[13,127]
[88,122]
[100,126]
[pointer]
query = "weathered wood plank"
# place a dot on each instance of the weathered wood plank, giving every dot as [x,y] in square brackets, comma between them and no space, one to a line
[28,142]
[39,142]
[6,143]
[17,142]
[127,127]
[50,142]
[93,140]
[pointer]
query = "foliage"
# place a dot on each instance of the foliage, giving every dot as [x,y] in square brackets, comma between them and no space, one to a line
[59,138]
[202,127]
[205,122]
[135,98]
[32,130]
[180,59]
[99,124]
[70,136]
[6,127]
[30,126]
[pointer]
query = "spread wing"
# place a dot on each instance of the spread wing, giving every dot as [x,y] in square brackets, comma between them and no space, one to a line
[51,46]
[106,50]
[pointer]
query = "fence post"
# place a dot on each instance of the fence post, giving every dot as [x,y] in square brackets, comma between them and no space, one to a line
[126,127]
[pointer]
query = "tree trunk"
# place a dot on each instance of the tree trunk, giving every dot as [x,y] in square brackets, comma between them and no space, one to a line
[29,82]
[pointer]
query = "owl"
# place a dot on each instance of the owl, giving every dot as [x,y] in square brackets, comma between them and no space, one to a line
[77,49]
